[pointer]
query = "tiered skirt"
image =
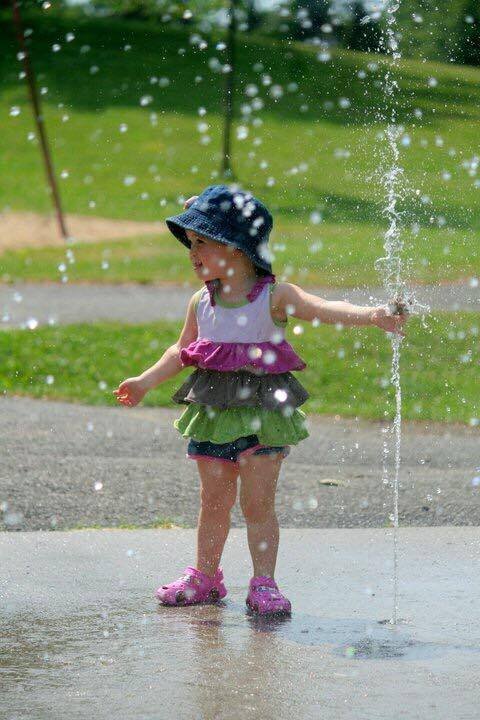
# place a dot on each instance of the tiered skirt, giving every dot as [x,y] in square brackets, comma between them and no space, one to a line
[223,406]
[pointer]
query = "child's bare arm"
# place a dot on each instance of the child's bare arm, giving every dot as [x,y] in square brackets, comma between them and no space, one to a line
[131,391]
[304,306]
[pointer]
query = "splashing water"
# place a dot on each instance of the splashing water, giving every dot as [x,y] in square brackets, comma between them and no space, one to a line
[391,267]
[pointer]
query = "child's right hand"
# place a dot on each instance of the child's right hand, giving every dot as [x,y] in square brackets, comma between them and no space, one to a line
[130,391]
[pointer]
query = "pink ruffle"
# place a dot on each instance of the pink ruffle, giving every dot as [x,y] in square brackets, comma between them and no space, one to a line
[252,295]
[209,355]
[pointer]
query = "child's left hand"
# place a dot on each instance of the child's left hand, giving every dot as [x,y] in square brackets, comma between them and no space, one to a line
[383,318]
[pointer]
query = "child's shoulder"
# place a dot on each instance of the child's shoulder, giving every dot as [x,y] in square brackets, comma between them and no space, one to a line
[280,294]
[279,300]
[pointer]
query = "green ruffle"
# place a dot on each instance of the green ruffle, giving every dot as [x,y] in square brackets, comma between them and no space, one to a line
[222,426]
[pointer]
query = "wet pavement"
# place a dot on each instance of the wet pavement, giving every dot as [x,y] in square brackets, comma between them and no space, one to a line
[82,635]
[67,465]
[129,303]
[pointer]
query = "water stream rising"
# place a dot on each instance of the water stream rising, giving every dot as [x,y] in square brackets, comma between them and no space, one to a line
[390,266]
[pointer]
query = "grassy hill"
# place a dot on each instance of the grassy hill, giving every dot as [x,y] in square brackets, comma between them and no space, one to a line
[134,117]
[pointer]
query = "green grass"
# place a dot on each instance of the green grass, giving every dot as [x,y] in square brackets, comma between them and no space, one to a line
[348,369]
[298,140]
[159,523]
[342,261]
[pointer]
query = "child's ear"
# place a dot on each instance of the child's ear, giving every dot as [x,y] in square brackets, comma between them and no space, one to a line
[188,202]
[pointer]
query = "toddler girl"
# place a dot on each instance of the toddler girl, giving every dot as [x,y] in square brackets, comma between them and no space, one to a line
[242,401]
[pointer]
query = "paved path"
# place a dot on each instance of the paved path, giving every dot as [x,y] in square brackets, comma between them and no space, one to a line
[144,303]
[53,453]
[83,636]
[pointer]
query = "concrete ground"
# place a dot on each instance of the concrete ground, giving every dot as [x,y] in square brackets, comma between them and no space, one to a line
[69,303]
[65,465]
[84,637]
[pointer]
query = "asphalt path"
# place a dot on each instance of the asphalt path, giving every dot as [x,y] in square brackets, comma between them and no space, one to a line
[70,465]
[32,304]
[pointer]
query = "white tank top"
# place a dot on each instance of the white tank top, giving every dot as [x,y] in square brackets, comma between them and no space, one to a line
[249,322]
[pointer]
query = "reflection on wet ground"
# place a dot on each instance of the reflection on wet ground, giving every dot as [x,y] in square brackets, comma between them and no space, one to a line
[82,635]
[137,660]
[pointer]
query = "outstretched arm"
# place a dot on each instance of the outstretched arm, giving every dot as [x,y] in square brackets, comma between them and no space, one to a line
[305,306]
[131,391]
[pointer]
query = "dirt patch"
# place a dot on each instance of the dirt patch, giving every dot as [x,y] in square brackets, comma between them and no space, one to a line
[26,229]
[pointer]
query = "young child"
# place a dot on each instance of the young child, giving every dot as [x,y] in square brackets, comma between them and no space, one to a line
[242,400]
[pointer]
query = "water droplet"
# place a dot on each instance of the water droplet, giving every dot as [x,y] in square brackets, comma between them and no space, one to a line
[276,91]
[146,100]
[242,132]
[56,47]
[324,56]
[123,127]
[13,518]
[129,180]
[15,111]
[269,357]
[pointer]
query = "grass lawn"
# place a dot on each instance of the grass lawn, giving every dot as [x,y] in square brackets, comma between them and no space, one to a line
[341,262]
[314,153]
[348,369]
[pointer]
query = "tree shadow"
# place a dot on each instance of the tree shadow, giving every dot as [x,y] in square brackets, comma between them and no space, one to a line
[95,72]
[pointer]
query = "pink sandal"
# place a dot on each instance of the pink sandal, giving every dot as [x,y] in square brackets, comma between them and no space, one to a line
[265,598]
[192,588]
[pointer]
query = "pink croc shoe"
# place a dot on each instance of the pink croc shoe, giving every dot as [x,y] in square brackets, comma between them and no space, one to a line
[264,597]
[192,588]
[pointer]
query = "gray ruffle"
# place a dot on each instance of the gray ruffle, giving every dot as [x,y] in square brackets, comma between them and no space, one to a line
[240,388]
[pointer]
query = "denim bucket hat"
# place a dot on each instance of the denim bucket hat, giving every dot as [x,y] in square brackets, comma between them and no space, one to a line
[232,217]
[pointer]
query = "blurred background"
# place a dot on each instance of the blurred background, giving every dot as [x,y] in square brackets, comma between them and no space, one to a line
[146,102]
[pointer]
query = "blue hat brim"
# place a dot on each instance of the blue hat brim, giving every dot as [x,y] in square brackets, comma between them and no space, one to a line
[193,219]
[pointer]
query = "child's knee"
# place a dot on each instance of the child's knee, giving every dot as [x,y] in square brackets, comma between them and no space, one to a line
[258,512]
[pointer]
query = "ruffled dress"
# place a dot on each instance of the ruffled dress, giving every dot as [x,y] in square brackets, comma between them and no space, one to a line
[242,383]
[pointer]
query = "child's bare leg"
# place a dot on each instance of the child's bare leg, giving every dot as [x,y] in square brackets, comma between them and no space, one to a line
[218,494]
[259,475]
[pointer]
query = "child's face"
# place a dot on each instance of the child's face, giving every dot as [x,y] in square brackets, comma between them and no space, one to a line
[209,258]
